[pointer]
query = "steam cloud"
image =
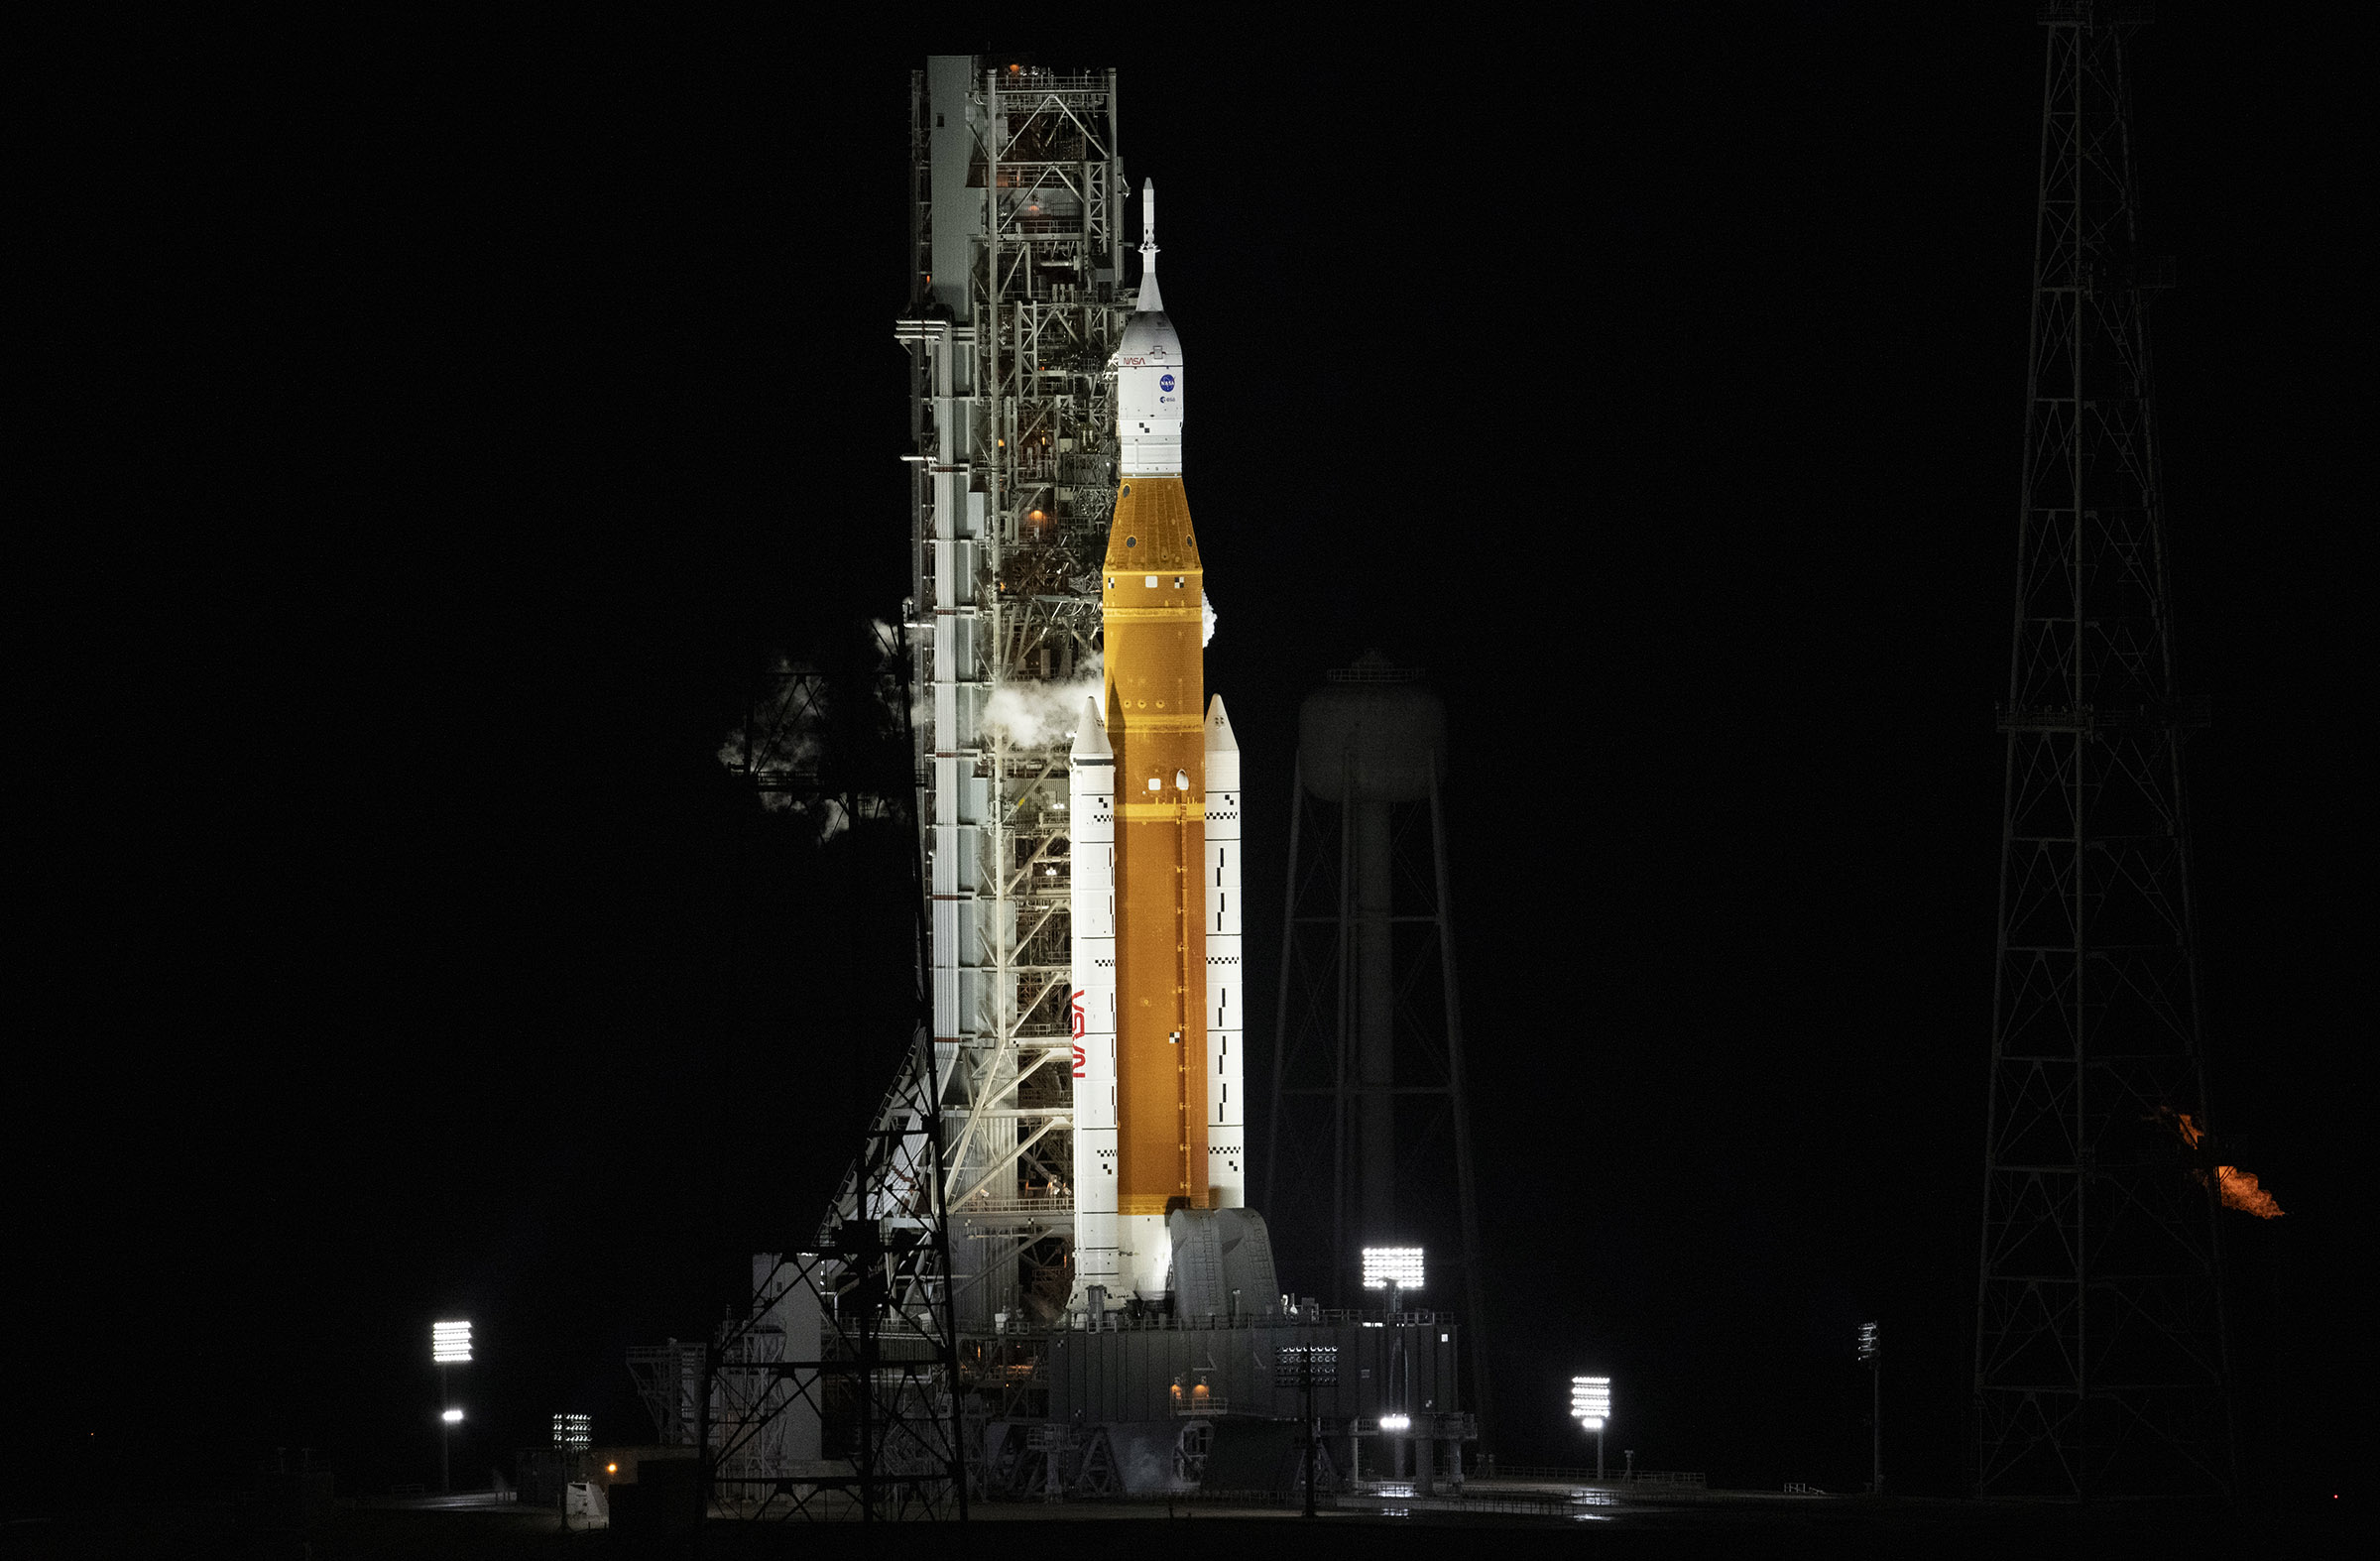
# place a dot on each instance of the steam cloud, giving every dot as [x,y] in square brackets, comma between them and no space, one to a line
[1039,715]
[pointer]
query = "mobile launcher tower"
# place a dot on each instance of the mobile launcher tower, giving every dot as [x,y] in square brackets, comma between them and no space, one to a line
[1049,1226]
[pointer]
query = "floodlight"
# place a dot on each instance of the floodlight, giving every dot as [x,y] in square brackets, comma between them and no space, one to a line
[1871,1342]
[452,1417]
[1294,1363]
[1591,1401]
[1396,1422]
[1386,1268]
[572,1431]
[450,1342]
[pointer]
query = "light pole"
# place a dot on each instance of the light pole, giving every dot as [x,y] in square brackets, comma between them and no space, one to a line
[1871,1350]
[1591,1407]
[571,1435]
[449,1345]
[1305,1366]
[1395,1270]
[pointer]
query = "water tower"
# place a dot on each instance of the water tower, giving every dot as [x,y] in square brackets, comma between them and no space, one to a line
[1370,1134]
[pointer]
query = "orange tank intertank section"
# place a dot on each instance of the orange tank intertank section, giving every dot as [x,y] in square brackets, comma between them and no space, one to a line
[1153,589]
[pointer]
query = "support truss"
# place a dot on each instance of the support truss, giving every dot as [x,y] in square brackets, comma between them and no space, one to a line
[2099,1350]
[835,1398]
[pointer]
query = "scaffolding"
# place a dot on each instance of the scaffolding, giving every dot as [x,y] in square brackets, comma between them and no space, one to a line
[1014,315]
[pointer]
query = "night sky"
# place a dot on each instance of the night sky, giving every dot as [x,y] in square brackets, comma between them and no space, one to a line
[433,428]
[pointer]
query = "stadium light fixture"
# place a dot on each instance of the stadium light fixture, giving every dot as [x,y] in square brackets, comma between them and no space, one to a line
[449,1345]
[1591,1407]
[1871,1354]
[1591,1401]
[1393,1267]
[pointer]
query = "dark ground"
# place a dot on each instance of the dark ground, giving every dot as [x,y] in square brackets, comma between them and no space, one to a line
[1718,1526]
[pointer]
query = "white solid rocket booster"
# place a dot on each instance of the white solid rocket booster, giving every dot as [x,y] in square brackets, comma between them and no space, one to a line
[1227,1132]
[1091,806]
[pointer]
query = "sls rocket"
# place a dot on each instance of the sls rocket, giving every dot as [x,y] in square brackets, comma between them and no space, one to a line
[1160,1111]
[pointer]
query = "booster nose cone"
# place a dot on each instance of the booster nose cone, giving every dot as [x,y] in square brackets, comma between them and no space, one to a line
[1091,737]
[1219,737]
[1223,756]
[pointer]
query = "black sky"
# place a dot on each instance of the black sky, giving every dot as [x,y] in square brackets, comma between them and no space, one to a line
[432,426]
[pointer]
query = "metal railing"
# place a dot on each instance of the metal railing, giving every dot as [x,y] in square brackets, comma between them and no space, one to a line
[987,1202]
[1370,1496]
[1357,1314]
[1530,1473]
[1029,80]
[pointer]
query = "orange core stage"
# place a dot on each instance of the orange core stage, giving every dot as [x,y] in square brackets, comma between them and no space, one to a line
[1156,698]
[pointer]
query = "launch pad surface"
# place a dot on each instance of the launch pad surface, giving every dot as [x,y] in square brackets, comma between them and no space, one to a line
[1717,1523]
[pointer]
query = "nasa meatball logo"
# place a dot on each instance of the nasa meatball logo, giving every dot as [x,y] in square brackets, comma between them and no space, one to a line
[1165,382]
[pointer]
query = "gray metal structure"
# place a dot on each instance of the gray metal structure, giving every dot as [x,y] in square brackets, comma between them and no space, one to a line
[2100,1368]
[1369,1141]
[1015,310]
[1160,1403]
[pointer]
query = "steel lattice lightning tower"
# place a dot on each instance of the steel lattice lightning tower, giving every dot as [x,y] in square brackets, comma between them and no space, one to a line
[2099,1358]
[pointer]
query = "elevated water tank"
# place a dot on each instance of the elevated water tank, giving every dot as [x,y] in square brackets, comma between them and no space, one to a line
[1376,725]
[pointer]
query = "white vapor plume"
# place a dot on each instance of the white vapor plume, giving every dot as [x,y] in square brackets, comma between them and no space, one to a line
[1039,715]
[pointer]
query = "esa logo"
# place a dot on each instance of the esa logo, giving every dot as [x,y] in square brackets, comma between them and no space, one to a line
[1165,382]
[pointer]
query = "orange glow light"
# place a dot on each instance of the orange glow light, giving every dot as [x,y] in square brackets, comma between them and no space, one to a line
[2236,1188]
[2241,1191]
